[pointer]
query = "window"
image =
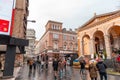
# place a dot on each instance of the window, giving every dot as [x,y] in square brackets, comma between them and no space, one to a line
[55,45]
[71,38]
[53,26]
[64,37]
[56,36]
[71,46]
[65,47]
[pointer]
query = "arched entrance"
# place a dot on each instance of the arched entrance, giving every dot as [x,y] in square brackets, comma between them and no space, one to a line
[86,45]
[99,42]
[114,33]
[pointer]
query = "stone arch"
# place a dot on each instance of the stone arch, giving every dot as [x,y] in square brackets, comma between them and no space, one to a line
[98,43]
[84,36]
[114,36]
[94,32]
[109,27]
[86,44]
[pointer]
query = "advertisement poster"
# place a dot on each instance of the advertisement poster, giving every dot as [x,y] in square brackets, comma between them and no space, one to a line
[6,11]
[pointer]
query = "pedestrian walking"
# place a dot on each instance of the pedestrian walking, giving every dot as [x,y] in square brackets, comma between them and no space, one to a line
[34,64]
[65,64]
[42,65]
[93,71]
[55,67]
[38,63]
[102,69]
[60,68]
[42,61]
[46,61]
[30,65]
[28,61]
[82,67]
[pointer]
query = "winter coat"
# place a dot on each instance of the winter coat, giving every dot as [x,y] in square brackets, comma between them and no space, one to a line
[92,71]
[82,64]
[101,67]
[61,65]
[55,64]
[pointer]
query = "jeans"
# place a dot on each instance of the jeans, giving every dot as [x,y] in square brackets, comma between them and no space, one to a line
[82,71]
[103,74]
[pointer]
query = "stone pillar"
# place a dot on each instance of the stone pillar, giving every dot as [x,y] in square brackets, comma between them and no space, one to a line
[92,46]
[107,46]
[81,47]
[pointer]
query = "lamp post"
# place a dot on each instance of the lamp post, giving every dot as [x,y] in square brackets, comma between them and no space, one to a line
[33,21]
[30,49]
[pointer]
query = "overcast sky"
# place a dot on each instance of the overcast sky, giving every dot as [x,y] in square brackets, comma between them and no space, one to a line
[72,13]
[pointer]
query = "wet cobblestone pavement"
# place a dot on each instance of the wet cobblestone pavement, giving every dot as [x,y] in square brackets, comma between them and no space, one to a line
[47,74]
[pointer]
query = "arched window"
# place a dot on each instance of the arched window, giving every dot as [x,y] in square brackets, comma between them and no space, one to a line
[71,46]
[55,45]
[65,47]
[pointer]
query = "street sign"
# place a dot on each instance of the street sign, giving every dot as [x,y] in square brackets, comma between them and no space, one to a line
[6,15]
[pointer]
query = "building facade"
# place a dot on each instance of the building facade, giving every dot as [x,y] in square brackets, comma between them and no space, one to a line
[37,51]
[57,40]
[30,49]
[100,35]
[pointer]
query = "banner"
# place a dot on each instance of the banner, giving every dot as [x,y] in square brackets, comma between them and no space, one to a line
[6,15]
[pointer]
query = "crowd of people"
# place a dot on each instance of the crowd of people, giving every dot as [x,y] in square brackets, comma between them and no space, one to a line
[59,66]
[95,68]
[40,62]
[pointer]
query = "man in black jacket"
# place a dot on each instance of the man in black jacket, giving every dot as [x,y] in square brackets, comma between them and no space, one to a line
[102,69]
[55,66]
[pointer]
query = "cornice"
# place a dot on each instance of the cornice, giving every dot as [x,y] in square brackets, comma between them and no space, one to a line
[99,22]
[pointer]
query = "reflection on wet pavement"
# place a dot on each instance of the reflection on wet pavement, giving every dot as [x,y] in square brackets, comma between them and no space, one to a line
[47,74]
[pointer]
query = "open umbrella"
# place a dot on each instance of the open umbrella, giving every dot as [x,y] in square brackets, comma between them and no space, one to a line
[92,61]
[81,58]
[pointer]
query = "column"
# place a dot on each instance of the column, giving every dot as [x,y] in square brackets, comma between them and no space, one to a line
[81,47]
[107,46]
[92,47]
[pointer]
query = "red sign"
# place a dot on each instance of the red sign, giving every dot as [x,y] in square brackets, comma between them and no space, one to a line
[6,16]
[4,24]
[118,58]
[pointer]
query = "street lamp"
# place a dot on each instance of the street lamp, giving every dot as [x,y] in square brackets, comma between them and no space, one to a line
[33,21]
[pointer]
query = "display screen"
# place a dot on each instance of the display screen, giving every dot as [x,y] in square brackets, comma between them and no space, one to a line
[6,9]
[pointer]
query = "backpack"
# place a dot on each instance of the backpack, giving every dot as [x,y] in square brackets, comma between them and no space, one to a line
[102,67]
